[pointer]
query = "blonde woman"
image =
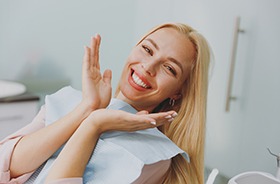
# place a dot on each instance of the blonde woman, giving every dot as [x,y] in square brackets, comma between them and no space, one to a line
[151,132]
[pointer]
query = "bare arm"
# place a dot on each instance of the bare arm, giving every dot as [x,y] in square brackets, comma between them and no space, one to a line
[80,147]
[73,159]
[34,149]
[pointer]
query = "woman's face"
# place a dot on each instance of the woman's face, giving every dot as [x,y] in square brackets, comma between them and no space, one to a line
[156,69]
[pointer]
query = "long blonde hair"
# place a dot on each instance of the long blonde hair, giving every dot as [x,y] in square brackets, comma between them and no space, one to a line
[188,128]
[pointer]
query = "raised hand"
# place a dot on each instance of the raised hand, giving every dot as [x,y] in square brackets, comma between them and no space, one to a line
[96,88]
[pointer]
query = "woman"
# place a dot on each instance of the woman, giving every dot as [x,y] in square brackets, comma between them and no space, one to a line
[166,72]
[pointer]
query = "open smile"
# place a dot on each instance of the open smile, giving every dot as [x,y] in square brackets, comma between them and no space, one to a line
[139,81]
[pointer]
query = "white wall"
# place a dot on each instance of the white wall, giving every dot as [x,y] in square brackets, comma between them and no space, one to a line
[44,40]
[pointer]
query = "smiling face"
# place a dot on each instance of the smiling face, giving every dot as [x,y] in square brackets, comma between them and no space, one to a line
[156,69]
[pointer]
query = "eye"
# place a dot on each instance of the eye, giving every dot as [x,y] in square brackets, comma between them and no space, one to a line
[147,49]
[171,69]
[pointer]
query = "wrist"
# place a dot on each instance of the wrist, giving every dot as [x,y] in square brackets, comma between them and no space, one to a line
[95,122]
[85,109]
[92,127]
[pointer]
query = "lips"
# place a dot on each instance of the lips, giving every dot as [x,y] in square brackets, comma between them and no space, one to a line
[139,81]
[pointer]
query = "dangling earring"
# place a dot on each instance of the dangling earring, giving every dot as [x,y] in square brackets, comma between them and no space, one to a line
[172,102]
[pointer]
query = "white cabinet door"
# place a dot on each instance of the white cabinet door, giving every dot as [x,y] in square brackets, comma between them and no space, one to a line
[15,115]
[237,140]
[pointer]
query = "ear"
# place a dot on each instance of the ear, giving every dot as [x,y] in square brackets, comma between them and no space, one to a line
[176,97]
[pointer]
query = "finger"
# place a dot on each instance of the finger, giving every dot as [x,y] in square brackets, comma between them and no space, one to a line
[149,122]
[145,123]
[168,114]
[141,120]
[98,41]
[152,122]
[92,51]
[163,117]
[142,112]
[170,118]
[159,115]
[86,58]
[171,114]
[107,76]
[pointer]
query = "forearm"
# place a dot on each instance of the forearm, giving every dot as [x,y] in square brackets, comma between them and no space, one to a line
[72,160]
[34,149]
[74,157]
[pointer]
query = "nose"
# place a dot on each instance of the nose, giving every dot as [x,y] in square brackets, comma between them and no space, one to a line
[149,68]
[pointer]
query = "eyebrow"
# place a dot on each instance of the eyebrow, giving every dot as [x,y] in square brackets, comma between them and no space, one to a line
[153,43]
[176,62]
[169,58]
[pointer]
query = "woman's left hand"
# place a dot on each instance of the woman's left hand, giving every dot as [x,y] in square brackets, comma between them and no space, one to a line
[104,120]
[96,88]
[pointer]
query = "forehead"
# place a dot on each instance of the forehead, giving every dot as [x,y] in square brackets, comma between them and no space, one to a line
[174,44]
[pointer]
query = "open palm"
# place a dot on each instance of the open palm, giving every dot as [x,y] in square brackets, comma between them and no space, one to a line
[96,87]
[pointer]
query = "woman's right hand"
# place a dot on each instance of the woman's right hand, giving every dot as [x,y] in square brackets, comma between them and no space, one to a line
[104,120]
[96,88]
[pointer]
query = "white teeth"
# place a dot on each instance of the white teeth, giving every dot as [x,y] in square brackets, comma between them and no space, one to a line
[138,81]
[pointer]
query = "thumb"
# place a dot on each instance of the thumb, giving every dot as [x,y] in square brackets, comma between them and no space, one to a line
[142,112]
[107,76]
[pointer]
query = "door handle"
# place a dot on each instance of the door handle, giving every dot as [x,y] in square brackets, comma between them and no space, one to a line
[229,96]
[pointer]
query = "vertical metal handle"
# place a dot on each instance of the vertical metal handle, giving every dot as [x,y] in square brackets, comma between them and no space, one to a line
[237,30]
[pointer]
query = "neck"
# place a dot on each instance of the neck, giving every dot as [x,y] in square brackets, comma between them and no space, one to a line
[133,103]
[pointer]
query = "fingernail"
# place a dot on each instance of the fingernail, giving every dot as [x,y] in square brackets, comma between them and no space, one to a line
[167,117]
[174,114]
[86,48]
[170,120]
[153,122]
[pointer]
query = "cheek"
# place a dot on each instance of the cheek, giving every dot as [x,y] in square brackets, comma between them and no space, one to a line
[124,72]
[129,61]
[135,55]
[168,84]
